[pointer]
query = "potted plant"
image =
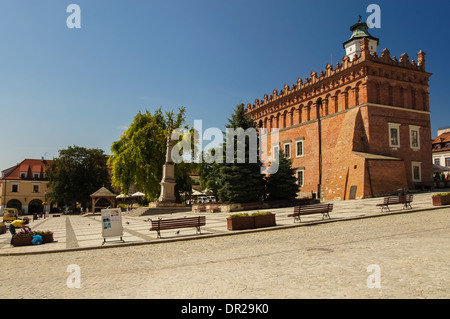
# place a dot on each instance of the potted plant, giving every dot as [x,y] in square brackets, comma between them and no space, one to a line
[441,199]
[245,221]
[47,236]
[22,238]
[2,228]
[240,221]
[264,219]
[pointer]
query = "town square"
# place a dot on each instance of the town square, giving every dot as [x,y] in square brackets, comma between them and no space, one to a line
[224,150]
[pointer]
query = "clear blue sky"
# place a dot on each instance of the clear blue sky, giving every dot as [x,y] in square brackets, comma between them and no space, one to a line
[62,87]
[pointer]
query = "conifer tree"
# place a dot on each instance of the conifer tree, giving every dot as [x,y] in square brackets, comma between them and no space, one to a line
[241,182]
[282,184]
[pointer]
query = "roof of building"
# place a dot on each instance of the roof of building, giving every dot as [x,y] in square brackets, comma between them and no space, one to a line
[360,30]
[443,138]
[103,192]
[28,166]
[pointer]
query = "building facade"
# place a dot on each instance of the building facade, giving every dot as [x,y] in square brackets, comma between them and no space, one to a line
[441,148]
[360,129]
[24,186]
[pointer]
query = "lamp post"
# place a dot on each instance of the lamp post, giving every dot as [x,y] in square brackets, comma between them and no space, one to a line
[319,185]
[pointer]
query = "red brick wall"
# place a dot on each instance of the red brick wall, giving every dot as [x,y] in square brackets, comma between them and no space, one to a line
[360,99]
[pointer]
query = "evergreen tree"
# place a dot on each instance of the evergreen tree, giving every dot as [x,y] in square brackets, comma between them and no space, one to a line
[282,184]
[209,175]
[241,182]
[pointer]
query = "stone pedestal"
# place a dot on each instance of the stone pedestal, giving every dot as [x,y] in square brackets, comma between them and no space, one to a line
[167,184]
[168,179]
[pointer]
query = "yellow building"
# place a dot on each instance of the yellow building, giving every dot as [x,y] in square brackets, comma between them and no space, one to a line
[24,186]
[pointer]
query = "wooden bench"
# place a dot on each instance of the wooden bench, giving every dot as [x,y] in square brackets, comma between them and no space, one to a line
[213,208]
[323,209]
[174,223]
[406,200]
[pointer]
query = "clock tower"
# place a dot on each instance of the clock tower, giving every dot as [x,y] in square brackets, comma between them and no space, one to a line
[352,46]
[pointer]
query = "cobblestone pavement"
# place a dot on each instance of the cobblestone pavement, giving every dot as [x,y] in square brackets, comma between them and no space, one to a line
[326,260]
[84,232]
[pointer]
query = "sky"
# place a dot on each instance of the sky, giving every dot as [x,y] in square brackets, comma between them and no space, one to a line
[62,86]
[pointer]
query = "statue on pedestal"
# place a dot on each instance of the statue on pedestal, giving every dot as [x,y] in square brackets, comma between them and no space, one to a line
[168,178]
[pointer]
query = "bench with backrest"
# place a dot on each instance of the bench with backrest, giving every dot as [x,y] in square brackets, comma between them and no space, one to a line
[174,223]
[406,200]
[323,209]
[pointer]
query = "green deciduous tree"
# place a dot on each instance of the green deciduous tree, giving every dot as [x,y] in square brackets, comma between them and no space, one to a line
[139,155]
[76,174]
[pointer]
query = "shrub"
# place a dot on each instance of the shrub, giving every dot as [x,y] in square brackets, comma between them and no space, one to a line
[239,215]
[442,194]
[31,234]
[261,213]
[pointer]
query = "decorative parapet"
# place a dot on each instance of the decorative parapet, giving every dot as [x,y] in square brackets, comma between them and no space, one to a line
[345,64]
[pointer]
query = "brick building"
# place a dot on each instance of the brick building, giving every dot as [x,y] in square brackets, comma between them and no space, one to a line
[360,129]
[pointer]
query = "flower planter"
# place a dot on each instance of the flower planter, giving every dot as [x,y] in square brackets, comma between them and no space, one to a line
[47,238]
[264,220]
[240,223]
[250,222]
[441,200]
[22,241]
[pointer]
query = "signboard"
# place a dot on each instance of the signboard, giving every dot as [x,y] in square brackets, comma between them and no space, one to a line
[111,223]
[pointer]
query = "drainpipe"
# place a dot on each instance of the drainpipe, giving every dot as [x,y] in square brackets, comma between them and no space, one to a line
[319,186]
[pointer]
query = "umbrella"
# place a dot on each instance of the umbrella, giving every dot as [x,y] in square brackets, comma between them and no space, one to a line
[196,192]
[138,194]
[121,196]
[440,169]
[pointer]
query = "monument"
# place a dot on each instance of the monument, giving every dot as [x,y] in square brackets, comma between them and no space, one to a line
[168,179]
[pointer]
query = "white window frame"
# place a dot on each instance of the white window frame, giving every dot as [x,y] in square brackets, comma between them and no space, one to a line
[397,127]
[413,166]
[301,142]
[287,154]
[414,128]
[275,148]
[302,171]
